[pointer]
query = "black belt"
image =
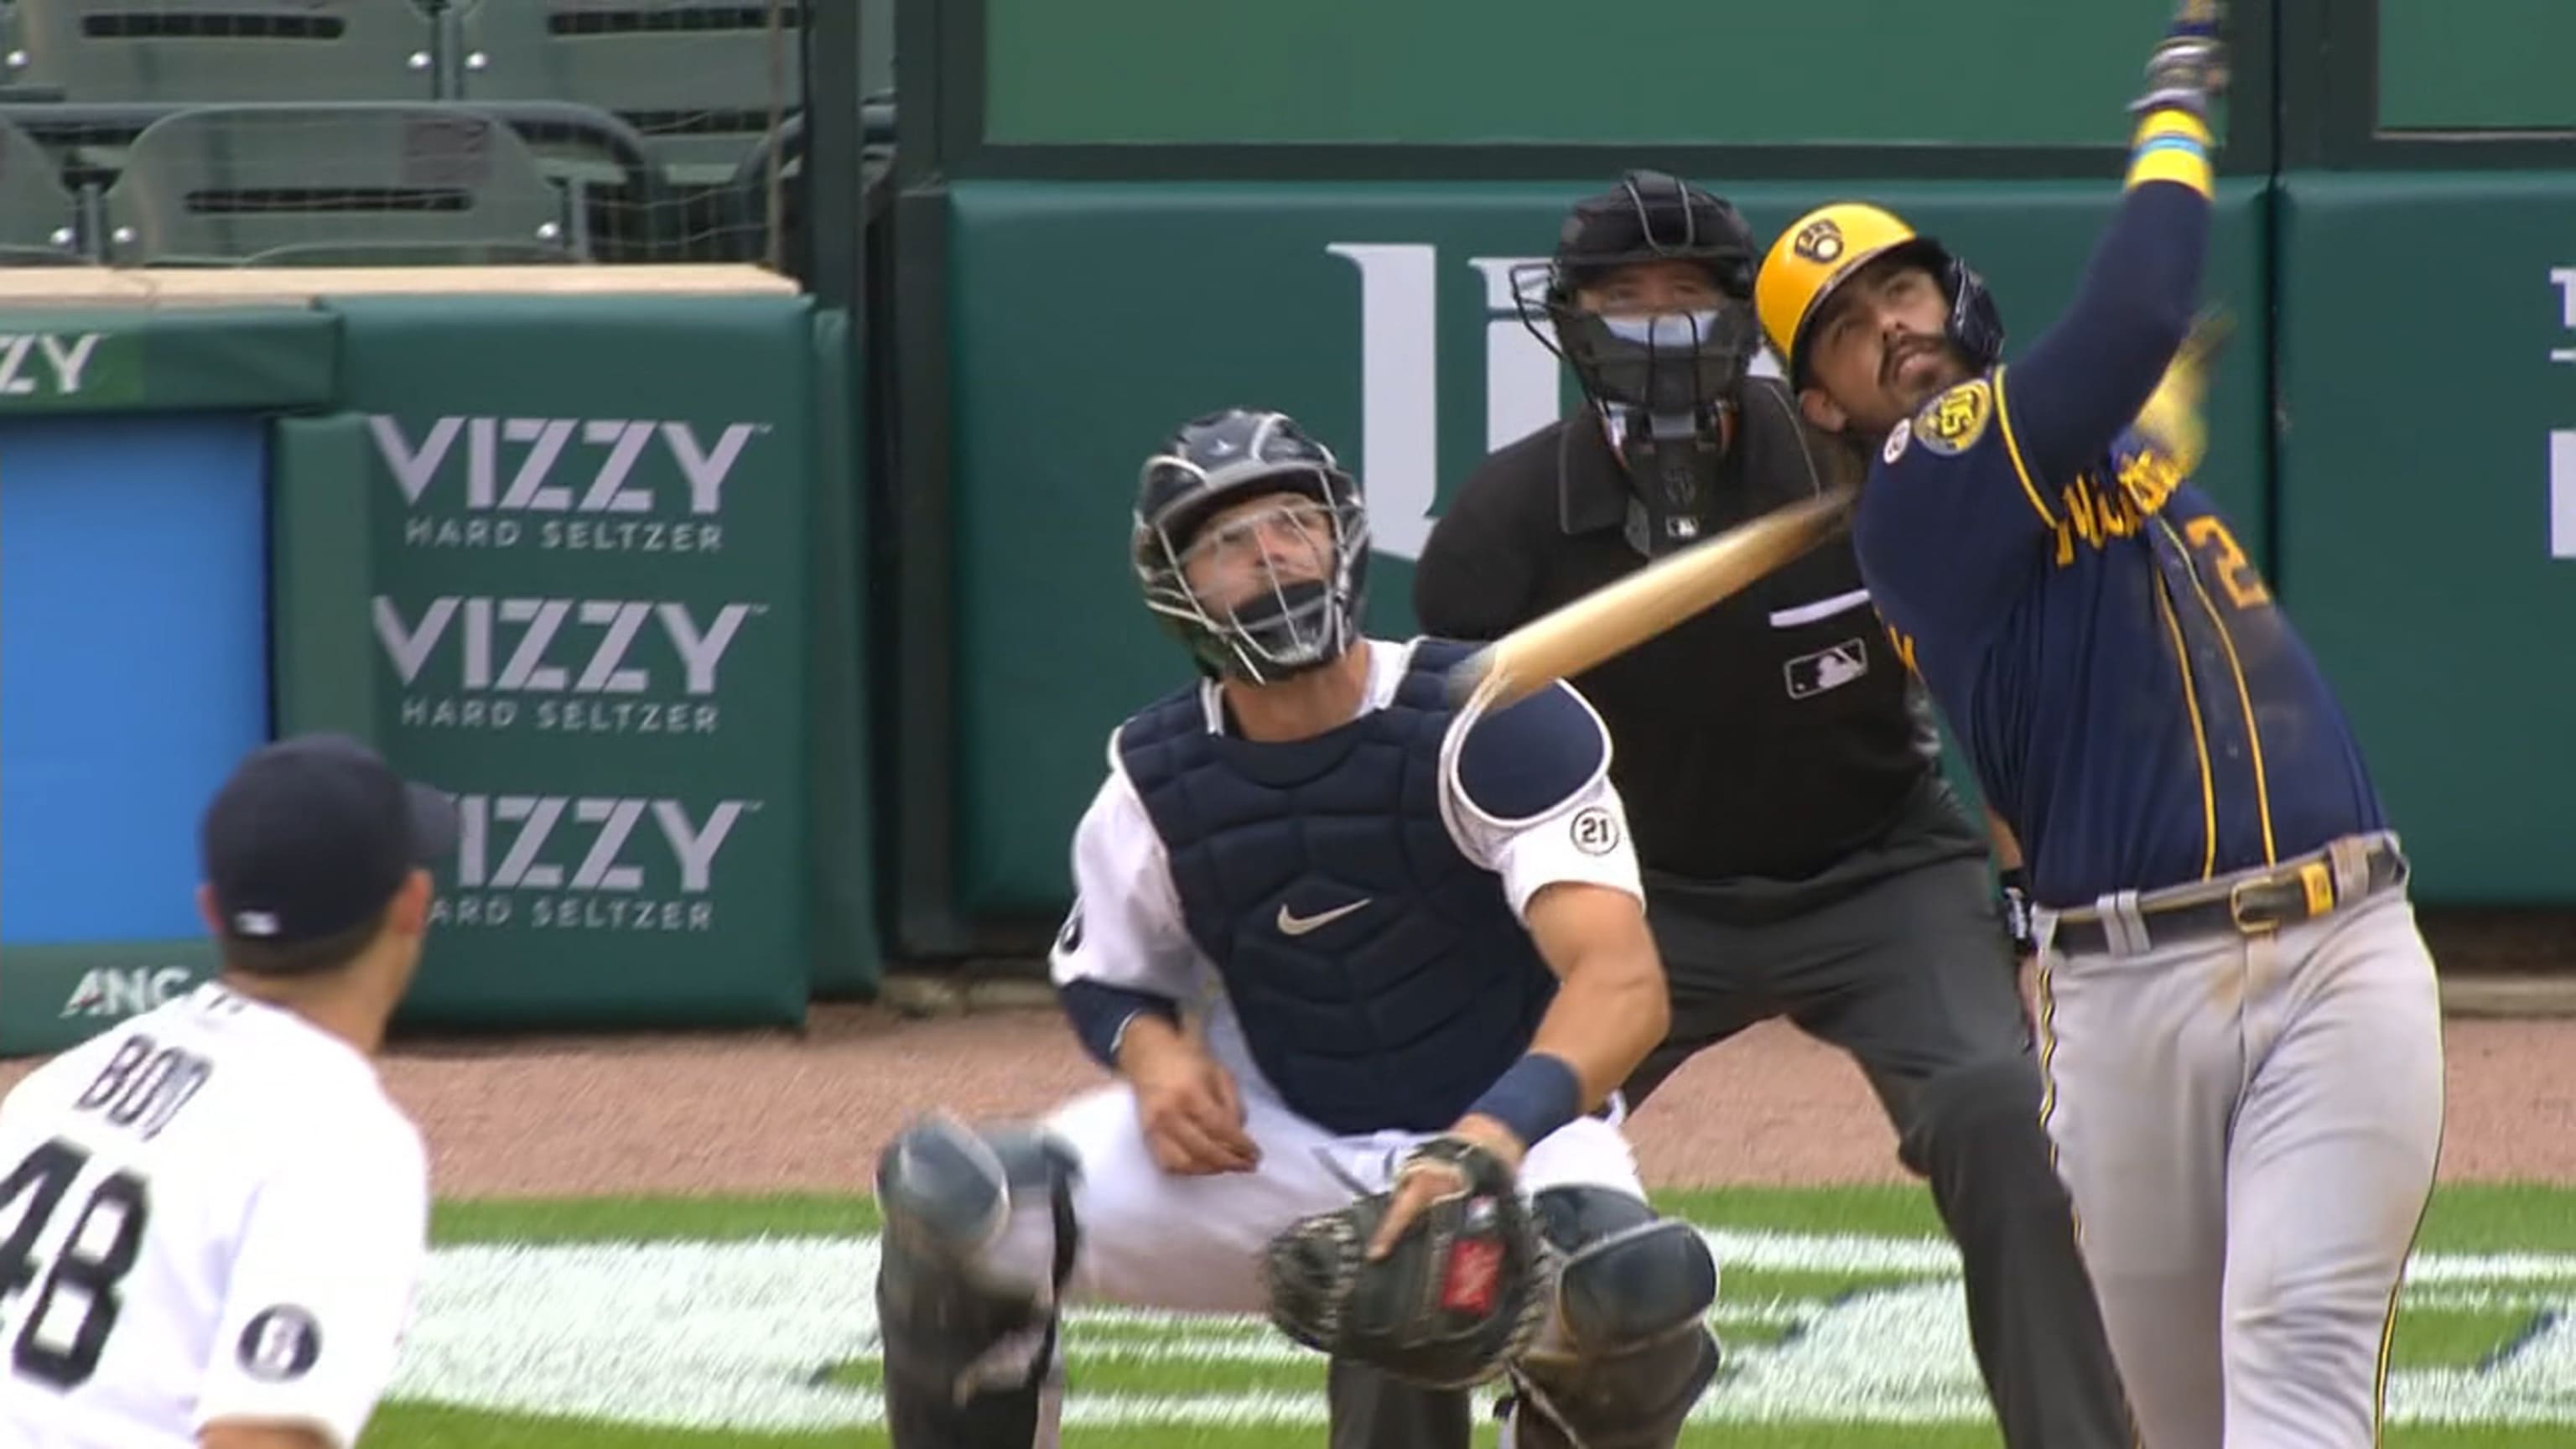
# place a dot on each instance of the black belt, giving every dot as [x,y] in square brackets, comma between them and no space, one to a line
[2247,905]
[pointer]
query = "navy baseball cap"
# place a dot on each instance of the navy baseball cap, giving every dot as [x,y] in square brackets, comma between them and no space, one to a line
[313,835]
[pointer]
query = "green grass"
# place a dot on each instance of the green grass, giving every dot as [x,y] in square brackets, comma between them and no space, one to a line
[648,1219]
[2456,1337]
[2454,1328]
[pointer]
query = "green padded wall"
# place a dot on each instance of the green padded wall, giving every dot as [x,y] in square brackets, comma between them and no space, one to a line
[1374,313]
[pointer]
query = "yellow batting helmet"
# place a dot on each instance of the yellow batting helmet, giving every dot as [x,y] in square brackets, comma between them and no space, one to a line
[1828,247]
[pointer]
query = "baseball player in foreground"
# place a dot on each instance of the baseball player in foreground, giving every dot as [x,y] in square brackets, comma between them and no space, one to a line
[211,1217]
[2239,1018]
[1415,944]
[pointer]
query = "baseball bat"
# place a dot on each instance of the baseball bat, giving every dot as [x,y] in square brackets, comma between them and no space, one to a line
[1615,618]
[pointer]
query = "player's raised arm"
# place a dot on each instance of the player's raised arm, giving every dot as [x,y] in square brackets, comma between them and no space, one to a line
[2086,378]
[1893,342]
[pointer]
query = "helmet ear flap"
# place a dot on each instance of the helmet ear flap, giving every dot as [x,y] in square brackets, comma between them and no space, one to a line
[1976,324]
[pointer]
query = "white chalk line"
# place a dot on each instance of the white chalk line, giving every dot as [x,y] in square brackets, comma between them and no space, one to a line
[736,1335]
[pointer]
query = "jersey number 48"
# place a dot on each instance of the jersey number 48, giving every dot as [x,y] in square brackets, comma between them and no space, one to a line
[84,1275]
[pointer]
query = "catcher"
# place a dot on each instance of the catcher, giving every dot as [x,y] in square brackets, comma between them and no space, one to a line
[1415,943]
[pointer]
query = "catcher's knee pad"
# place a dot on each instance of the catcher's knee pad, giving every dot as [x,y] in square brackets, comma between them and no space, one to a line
[1628,1351]
[969,1344]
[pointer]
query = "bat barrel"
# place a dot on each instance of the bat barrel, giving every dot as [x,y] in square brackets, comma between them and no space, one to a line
[1609,621]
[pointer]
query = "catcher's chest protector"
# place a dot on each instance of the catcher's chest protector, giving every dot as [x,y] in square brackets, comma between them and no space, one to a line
[1380,976]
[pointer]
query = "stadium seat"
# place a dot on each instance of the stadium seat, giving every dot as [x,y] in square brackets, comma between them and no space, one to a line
[332,185]
[39,216]
[206,51]
[695,76]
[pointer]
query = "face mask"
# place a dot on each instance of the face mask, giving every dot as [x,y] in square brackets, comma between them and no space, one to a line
[1289,624]
[1666,362]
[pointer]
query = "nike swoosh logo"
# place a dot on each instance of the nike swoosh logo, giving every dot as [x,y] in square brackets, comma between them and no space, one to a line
[1292,924]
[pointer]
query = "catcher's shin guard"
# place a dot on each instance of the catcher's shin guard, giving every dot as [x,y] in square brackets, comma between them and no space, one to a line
[1628,1351]
[971,1356]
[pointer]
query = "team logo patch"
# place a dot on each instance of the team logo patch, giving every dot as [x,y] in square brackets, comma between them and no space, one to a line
[1897,438]
[1069,940]
[1951,423]
[1819,241]
[1810,675]
[279,1344]
[1595,831]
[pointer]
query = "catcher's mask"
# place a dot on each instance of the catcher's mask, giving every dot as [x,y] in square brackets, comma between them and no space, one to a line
[1832,244]
[1666,362]
[1279,623]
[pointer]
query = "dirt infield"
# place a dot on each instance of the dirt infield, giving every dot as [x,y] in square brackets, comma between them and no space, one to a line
[778,1110]
[761,1111]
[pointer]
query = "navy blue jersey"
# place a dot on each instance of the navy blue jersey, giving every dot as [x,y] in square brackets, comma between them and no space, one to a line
[2138,708]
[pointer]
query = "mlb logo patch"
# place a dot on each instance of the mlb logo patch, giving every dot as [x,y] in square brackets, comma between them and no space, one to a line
[1812,674]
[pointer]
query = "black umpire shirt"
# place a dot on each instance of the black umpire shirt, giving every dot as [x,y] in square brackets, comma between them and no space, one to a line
[1762,743]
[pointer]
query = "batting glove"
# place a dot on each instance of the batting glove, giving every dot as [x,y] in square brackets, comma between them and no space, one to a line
[2188,69]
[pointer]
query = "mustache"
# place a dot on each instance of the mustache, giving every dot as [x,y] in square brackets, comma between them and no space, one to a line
[1902,353]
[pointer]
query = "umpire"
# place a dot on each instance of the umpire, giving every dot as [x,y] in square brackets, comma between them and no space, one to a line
[1803,854]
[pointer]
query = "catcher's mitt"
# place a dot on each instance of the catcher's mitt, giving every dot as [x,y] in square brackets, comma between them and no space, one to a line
[1457,1298]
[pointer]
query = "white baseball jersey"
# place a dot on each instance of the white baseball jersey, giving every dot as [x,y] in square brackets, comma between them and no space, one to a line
[1127,929]
[211,1211]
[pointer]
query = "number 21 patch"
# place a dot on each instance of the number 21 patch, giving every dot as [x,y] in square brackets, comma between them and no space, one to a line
[1595,831]
[1952,423]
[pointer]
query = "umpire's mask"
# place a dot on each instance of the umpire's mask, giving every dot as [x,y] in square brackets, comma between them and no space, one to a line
[1647,354]
[1649,300]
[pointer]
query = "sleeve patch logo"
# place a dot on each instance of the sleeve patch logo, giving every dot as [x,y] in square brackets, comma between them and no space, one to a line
[1595,831]
[279,1344]
[1952,423]
[1897,438]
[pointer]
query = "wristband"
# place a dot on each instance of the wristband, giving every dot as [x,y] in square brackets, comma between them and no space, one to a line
[1101,1014]
[2016,902]
[2170,144]
[1538,1095]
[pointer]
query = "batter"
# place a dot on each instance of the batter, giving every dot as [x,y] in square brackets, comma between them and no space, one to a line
[2239,1017]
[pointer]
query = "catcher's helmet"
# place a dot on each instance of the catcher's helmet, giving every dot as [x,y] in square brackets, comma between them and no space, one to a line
[1828,247]
[1223,458]
[1672,363]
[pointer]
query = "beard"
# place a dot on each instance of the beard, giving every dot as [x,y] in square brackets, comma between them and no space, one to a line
[1917,371]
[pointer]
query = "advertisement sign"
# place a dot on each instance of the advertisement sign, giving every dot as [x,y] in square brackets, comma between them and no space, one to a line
[54,997]
[588,609]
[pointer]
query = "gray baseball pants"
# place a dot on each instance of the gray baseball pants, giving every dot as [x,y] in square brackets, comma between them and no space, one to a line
[2248,1125]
